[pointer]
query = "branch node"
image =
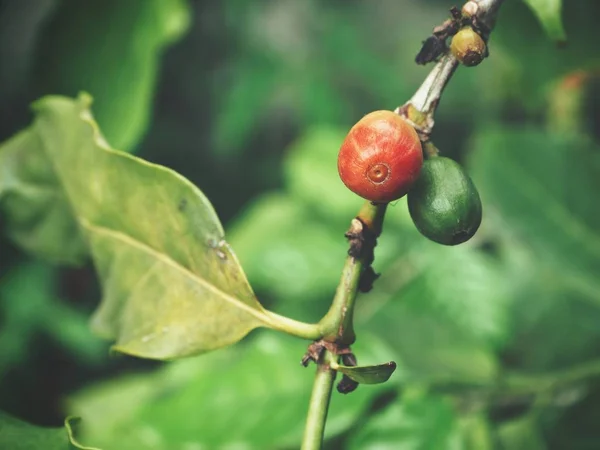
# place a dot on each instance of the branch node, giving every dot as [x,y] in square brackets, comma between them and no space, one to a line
[362,240]
[316,350]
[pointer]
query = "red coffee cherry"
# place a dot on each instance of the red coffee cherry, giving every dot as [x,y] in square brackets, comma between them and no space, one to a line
[381,157]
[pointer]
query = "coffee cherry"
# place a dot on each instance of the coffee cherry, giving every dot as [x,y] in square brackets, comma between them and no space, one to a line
[444,203]
[468,47]
[381,157]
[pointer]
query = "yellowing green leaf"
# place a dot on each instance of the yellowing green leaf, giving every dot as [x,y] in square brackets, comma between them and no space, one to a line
[171,284]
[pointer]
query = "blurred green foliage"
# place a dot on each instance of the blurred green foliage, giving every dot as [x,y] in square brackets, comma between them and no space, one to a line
[250,100]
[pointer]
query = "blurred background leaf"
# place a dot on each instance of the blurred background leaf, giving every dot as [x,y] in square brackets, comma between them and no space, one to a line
[38,215]
[18,435]
[194,401]
[416,422]
[549,13]
[112,50]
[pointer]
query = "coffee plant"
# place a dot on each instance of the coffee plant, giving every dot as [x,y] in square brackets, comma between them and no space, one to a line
[466,315]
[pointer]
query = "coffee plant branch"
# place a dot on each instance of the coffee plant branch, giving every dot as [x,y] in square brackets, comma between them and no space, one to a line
[420,109]
[357,274]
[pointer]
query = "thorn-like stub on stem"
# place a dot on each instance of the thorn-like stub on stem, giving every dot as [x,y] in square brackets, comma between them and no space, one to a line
[356,238]
[362,244]
[362,240]
[474,13]
[313,353]
[367,278]
[316,350]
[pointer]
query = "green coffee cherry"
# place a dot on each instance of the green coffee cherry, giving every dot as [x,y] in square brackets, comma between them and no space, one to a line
[444,203]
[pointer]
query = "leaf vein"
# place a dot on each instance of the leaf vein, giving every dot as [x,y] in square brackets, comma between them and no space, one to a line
[119,236]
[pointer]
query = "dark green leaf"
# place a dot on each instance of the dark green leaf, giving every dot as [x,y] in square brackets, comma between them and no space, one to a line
[18,435]
[252,87]
[523,62]
[111,49]
[443,309]
[521,434]
[539,186]
[461,286]
[550,15]
[311,174]
[377,374]
[288,253]
[415,422]
[28,307]
[23,303]
[260,387]
[543,304]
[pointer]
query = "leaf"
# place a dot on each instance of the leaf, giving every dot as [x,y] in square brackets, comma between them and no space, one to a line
[69,326]
[172,285]
[38,217]
[252,87]
[522,74]
[259,387]
[311,174]
[414,422]
[23,295]
[549,14]
[443,309]
[289,254]
[76,52]
[18,435]
[377,374]
[542,306]
[539,185]
[28,307]
[521,434]
[460,286]
[476,431]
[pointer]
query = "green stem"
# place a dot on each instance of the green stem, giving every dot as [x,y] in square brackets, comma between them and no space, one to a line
[338,320]
[337,324]
[319,404]
[310,331]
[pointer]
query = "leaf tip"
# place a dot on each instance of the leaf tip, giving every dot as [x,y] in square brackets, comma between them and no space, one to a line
[85,99]
[70,423]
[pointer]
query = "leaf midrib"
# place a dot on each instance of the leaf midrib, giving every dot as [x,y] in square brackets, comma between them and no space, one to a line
[128,240]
